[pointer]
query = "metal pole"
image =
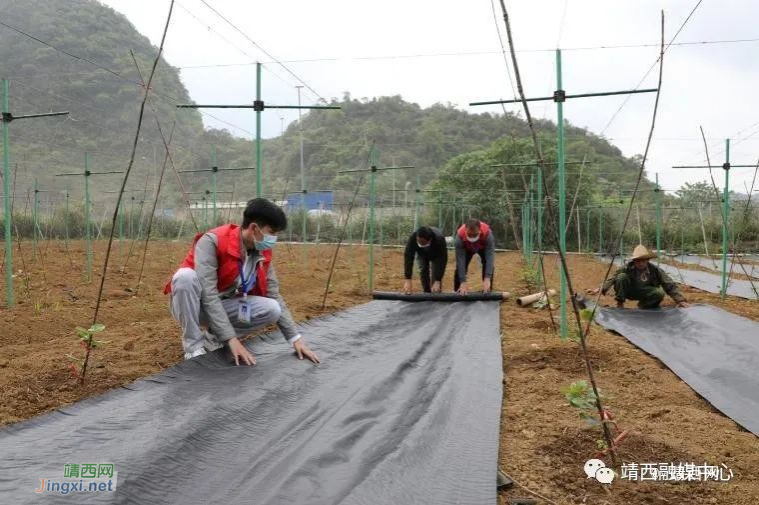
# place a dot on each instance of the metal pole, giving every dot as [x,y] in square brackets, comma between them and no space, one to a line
[416,208]
[657,192]
[371,225]
[214,169]
[303,187]
[7,200]
[579,240]
[66,221]
[34,220]
[87,229]
[131,219]
[725,213]
[258,132]
[600,230]
[121,222]
[540,225]
[562,197]
[205,213]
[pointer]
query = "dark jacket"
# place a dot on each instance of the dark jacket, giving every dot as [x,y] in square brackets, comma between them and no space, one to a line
[437,253]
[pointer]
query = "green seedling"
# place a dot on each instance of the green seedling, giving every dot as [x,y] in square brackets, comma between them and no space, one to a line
[87,339]
[581,396]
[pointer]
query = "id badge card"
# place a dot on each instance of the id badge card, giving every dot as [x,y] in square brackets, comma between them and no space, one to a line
[243,311]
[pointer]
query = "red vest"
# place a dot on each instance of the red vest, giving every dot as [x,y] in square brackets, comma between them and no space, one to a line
[474,247]
[229,259]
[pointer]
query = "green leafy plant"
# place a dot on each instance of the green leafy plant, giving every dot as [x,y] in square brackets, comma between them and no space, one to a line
[581,397]
[87,339]
[530,278]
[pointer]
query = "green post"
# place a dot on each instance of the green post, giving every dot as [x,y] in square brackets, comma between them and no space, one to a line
[587,227]
[621,227]
[87,226]
[562,196]
[439,212]
[205,212]
[34,219]
[214,169]
[532,212]
[417,191]
[725,214]
[540,225]
[7,201]
[657,193]
[524,233]
[258,132]
[379,220]
[66,221]
[600,230]
[373,156]
[121,222]
[131,219]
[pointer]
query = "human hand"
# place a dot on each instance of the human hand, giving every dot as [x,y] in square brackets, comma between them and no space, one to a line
[594,291]
[486,285]
[301,349]
[683,305]
[240,353]
[406,290]
[436,287]
[463,289]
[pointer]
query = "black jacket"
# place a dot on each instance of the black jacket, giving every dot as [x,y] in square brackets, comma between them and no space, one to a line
[437,253]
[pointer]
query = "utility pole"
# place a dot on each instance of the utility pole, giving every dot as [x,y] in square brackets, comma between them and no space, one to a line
[7,118]
[258,106]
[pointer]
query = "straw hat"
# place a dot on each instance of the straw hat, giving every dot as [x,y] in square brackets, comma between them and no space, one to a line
[641,253]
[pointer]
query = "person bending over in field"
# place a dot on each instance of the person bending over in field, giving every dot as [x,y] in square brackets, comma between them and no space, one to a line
[428,245]
[642,281]
[472,238]
[227,283]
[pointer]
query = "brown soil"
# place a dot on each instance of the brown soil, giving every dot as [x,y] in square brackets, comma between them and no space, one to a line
[544,444]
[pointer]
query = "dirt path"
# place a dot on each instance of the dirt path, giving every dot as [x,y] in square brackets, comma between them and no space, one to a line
[543,441]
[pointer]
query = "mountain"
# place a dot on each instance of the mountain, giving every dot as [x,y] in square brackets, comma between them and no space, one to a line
[101,87]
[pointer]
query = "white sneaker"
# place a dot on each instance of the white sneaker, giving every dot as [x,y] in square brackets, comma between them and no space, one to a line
[198,352]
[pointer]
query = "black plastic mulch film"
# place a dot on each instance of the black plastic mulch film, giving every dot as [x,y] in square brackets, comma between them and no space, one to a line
[714,351]
[404,409]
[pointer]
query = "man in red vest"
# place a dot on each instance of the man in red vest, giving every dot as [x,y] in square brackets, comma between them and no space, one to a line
[474,237]
[227,284]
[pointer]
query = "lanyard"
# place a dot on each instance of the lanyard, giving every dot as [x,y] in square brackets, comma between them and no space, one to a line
[247,284]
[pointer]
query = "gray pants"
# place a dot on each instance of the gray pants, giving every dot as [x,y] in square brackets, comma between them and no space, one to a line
[186,308]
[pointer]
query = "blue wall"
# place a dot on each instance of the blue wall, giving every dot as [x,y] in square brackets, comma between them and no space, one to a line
[321,200]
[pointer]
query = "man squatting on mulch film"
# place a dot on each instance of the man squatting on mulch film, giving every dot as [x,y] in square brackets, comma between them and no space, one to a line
[227,283]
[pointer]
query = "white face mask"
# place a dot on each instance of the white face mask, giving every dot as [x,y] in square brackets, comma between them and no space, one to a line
[473,239]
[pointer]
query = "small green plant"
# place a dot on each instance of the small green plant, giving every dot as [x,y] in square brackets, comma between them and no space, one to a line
[530,278]
[87,339]
[581,397]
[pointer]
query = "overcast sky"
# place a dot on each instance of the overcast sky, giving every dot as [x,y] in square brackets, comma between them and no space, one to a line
[448,51]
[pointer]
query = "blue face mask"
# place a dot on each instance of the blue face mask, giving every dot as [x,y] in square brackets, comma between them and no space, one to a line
[265,244]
